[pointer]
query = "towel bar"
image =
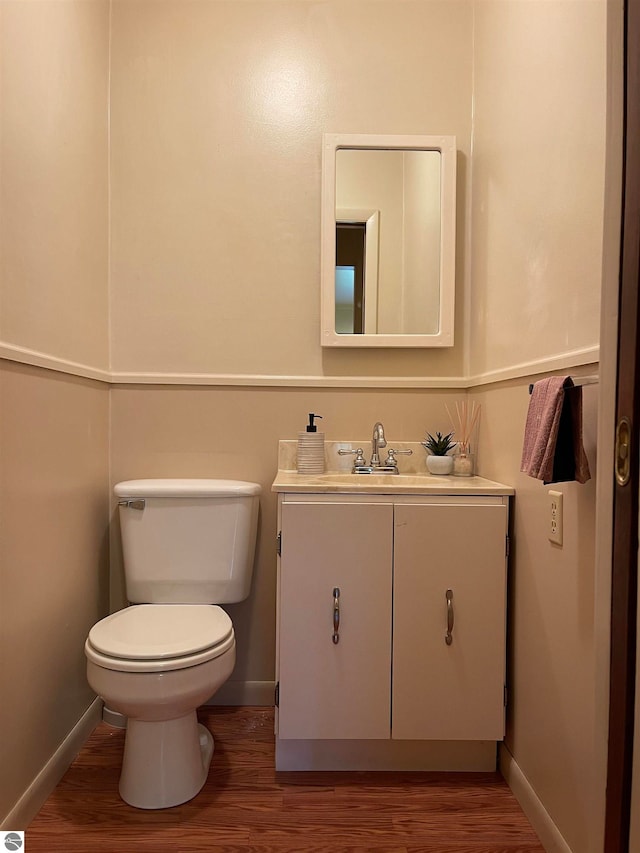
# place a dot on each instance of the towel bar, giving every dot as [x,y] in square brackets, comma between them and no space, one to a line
[577,381]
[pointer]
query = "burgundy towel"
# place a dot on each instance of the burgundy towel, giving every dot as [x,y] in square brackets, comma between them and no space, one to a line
[553,450]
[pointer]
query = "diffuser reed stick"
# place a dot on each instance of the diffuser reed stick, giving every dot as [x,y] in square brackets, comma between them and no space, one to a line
[466,420]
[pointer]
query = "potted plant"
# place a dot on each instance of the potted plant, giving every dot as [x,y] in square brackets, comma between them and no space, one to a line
[438,462]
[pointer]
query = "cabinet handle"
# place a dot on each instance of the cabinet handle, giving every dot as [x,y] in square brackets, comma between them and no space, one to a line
[448,637]
[336,615]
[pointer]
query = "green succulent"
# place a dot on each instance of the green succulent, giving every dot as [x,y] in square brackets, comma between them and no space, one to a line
[440,445]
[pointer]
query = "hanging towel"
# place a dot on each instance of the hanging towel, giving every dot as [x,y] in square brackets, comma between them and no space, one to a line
[553,450]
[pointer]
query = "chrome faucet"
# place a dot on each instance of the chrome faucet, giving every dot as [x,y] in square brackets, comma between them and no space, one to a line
[377,442]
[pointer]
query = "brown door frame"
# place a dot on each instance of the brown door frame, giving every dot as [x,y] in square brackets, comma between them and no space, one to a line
[351,240]
[624,582]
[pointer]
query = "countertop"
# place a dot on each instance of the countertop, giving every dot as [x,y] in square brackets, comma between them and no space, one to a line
[338,482]
[338,479]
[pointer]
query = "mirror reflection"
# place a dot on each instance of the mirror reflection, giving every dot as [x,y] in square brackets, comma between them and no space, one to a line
[388,240]
[396,289]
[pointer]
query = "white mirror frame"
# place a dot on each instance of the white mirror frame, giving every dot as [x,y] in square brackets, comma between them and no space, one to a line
[446,145]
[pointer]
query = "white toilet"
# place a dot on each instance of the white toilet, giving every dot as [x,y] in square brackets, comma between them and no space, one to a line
[188,545]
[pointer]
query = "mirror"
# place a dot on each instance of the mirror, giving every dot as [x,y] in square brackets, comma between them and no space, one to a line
[388,240]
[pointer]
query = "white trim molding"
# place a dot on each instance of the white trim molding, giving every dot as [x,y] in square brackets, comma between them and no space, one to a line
[45,782]
[22,355]
[540,819]
[257,380]
[574,358]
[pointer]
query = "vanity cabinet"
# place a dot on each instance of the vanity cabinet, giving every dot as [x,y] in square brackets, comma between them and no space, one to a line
[334,677]
[449,570]
[408,570]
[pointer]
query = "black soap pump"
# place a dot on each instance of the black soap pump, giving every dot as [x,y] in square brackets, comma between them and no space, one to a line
[311,427]
[310,459]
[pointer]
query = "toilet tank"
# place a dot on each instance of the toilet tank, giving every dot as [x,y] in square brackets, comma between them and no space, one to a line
[188,541]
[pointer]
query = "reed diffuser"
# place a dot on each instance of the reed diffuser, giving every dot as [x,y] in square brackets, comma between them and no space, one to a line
[467,417]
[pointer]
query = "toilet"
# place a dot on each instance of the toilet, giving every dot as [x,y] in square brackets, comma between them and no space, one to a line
[188,546]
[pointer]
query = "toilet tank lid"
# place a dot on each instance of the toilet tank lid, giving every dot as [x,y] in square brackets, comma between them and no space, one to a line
[185,488]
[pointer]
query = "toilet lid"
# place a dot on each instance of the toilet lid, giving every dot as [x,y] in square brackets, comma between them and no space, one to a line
[161,631]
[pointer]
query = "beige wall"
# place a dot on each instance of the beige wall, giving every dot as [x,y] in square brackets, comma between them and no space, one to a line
[217,432]
[54,559]
[217,112]
[552,687]
[538,180]
[536,277]
[423,228]
[53,192]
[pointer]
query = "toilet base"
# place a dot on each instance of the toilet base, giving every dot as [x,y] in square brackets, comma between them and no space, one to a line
[165,763]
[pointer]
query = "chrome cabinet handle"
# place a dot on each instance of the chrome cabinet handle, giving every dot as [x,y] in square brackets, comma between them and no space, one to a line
[336,616]
[448,637]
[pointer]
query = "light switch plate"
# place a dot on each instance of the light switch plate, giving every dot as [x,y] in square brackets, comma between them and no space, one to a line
[555,517]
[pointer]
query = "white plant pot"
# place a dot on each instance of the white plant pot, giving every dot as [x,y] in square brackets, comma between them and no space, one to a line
[441,465]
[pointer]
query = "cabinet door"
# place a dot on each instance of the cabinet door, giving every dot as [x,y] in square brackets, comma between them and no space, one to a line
[456,691]
[335,690]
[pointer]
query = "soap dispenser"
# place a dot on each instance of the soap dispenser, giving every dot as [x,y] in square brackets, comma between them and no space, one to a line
[310,458]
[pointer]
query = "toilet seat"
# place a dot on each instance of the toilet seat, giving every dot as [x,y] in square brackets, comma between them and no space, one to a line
[160,637]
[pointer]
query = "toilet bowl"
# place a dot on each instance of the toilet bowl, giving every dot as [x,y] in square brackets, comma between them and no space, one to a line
[156,664]
[188,546]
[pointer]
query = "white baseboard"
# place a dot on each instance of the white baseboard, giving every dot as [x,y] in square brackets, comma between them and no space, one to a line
[42,786]
[540,819]
[260,693]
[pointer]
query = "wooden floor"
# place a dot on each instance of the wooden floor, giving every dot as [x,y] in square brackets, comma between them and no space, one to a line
[247,806]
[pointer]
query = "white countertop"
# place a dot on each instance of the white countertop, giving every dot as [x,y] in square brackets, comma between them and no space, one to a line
[337,482]
[338,479]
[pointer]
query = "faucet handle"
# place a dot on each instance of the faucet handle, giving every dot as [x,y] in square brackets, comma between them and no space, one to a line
[358,453]
[391,461]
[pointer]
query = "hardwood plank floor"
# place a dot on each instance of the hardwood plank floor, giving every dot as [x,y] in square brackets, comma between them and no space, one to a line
[247,806]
